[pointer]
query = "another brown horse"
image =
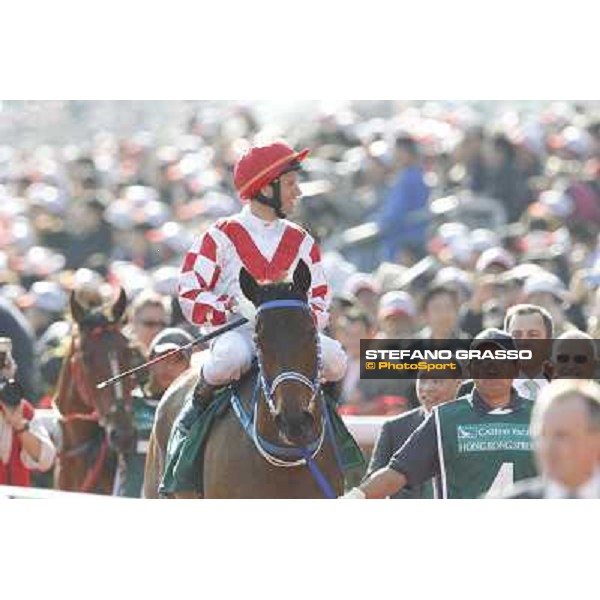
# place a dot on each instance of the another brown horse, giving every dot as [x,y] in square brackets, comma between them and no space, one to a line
[265,461]
[96,424]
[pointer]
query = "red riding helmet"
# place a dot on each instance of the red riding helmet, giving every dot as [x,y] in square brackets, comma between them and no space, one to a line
[261,165]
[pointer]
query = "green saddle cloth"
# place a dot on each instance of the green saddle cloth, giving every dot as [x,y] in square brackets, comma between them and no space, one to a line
[183,468]
[183,465]
[354,464]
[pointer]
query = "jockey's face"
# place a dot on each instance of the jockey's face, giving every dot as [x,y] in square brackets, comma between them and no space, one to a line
[290,192]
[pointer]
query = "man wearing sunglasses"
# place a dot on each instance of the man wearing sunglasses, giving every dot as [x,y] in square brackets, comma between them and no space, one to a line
[150,313]
[574,356]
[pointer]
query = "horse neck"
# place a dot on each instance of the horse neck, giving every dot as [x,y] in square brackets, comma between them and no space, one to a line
[67,397]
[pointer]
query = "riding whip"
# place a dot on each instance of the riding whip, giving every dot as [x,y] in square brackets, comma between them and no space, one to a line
[198,340]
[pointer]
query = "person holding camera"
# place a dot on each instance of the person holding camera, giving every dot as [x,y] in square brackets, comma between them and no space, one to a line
[24,444]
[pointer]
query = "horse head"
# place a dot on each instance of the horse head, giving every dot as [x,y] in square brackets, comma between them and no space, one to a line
[288,352]
[102,351]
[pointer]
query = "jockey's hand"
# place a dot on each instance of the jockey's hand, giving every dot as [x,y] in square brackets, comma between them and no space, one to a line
[246,309]
[230,304]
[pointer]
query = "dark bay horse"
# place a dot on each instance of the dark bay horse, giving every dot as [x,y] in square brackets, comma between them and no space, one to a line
[285,405]
[97,425]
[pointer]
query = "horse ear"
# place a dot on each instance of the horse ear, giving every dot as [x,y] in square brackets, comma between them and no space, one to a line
[249,287]
[302,278]
[118,308]
[77,311]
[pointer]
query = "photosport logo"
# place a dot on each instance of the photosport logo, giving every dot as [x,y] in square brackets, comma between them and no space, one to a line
[493,354]
[407,359]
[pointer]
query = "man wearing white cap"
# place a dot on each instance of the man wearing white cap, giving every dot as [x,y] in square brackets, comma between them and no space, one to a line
[365,289]
[494,260]
[396,316]
[146,398]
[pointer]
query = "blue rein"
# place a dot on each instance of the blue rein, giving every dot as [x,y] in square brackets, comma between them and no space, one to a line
[277,455]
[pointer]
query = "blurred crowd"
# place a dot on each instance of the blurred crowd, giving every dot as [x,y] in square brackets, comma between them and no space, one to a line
[434,218]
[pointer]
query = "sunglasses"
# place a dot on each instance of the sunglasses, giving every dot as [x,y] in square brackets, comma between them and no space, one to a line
[578,359]
[150,323]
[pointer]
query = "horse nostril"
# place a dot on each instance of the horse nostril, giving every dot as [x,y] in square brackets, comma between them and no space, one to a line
[297,429]
[308,423]
[279,422]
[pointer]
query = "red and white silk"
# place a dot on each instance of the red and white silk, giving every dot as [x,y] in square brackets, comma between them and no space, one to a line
[209,279]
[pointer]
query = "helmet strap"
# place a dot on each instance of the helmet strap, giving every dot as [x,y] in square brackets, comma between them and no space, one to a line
[273,201]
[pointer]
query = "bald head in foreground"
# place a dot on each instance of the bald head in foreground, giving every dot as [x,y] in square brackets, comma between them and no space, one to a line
[565,427]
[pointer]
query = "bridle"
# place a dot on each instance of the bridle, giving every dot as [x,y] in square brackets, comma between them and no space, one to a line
[78,380]
[275,454]
[268,389]
[79,375]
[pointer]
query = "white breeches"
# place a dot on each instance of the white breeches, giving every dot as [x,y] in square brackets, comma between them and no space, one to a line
[231,356]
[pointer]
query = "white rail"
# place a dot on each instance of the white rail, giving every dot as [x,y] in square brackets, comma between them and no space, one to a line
[9,492]
[364,429]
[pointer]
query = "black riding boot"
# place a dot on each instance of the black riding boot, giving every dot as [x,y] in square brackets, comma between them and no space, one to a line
[203,393]
[201,399]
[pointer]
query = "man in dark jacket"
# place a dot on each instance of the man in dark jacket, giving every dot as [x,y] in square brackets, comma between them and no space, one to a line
[474,446]
[430,392]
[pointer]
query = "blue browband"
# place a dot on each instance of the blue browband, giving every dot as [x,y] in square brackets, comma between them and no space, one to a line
[282,304]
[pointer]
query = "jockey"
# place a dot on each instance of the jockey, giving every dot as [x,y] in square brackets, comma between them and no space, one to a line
[262,240]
